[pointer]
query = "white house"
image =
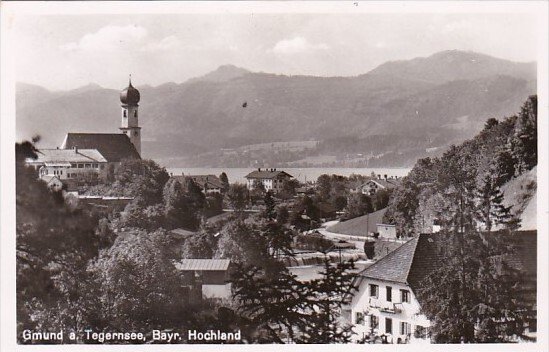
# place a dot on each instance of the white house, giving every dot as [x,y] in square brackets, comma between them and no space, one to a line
[385,305]
[373,186]
[271,179]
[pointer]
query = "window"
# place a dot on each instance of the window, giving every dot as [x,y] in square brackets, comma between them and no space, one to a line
[405,296]
[125,115]
[374,322]
[388,325]
[135,133]
[88,166]
[135,113]
[405,328]
[389,294]
[420,332]
[374,291]
[359,318]
[95,166]
[80,166]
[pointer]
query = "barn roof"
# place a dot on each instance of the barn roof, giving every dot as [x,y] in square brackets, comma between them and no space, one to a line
[203,264]
[113,146]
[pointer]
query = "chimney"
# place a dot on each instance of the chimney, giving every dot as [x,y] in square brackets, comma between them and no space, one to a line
[75,149]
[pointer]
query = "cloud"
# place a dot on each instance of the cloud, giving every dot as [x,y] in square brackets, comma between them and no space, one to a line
[297,45]
[168,43]
[108,38]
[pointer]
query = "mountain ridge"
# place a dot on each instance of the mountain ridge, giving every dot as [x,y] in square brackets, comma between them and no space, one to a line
[231,107]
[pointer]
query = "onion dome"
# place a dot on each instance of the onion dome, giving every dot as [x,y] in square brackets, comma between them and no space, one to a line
[130,95]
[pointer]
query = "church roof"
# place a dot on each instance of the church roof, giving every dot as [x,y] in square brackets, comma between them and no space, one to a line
[113,146]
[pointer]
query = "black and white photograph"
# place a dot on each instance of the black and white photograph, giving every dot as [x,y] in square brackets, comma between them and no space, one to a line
[274,173]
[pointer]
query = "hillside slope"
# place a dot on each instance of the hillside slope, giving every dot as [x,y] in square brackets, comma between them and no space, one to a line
[521,194]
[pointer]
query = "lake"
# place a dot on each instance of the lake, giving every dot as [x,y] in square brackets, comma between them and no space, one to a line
[302,174]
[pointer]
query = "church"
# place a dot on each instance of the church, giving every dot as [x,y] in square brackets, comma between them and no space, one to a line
[83,157]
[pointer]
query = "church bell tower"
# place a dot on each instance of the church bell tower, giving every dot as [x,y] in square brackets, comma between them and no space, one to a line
[129,98]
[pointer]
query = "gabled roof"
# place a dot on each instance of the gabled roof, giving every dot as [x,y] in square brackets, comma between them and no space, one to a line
[211,181]
[416,259]
[395,266]
[267,174]
[389,183]
[61,157]
[113,146]
[203,264]
[50,178]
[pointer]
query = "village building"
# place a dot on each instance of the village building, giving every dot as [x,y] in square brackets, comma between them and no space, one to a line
[373,186]
[212,275]
[208,184]
[53,182]
[272,179]
[386,306]
[85,157]
[115,147]
[63,167]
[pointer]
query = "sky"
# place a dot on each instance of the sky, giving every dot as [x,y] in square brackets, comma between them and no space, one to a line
[69,51]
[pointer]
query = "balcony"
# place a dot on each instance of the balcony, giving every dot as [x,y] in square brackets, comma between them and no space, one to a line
[384,306]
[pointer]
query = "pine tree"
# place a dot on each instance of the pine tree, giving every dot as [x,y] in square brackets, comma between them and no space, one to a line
[270,211]
[491,210]
[224,181]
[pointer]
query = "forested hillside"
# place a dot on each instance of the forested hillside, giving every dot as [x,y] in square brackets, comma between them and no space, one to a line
[471,176]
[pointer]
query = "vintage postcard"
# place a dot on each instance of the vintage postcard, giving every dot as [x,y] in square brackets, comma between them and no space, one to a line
[177,175]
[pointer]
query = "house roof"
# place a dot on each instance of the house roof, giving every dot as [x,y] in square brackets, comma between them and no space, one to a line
[416,259]
[182,232]
[395,266]
[203,264]
[389,183]
[211,181]
[63,157]
[359,226]
[49,178]
[113,146]
[267,174]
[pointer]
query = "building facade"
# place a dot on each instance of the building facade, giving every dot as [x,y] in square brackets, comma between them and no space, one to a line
[385,306]
[69,165]
[271,179]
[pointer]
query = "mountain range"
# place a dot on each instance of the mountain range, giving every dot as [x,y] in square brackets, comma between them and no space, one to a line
[389,116]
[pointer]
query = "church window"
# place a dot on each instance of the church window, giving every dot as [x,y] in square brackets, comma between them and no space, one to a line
[135,133]
[135,113]
[125,113]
